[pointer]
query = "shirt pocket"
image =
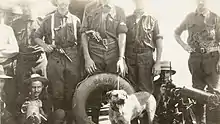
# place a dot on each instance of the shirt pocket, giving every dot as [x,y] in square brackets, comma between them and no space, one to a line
[112,24]
[71,32]
[95,21]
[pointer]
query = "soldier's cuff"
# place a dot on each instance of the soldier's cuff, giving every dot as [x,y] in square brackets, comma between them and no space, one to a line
[83,30]
[159,36]
[122,28]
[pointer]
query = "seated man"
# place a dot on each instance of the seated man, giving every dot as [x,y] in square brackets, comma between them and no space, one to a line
[6,116]
[36,106]
[162,85]
[165,77]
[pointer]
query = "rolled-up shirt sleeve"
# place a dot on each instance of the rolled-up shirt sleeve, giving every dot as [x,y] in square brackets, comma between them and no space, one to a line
[183,26]
[156,32]
[41,32]
[122,28]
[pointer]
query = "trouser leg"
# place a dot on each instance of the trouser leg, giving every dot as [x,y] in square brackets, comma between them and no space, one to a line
[55,69]
[145,77]
[196,69]
[212,80]
[10,88]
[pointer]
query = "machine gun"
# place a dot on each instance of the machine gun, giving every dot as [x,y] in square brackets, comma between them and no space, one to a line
[178,102]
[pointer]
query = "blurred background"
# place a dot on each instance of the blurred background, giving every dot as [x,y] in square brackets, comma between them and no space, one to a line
[169,13]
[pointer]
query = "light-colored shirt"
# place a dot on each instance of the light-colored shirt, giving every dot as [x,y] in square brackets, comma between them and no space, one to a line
[8,43]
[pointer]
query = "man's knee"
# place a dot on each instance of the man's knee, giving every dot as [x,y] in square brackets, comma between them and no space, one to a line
[58,116]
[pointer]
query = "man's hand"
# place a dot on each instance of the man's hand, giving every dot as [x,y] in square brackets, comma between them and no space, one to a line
[156,69]
[90,65]
[48,48]
[218,67]
[122,68]
[187,48]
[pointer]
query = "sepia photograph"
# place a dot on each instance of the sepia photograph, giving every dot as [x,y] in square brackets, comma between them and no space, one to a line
[109,62]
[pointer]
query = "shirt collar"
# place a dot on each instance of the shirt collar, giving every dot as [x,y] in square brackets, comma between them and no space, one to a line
[61,16]
[112,11]
[204,14]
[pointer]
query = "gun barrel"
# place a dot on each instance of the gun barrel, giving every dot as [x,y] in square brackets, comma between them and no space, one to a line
[196,94]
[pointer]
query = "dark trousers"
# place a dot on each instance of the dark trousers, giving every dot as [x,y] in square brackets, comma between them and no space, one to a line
[140,63]
[105,60]
[10,84]
[204,73]
[28,64]
[63,76]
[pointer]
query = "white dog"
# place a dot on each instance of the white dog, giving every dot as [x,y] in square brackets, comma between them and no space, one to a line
[124,107]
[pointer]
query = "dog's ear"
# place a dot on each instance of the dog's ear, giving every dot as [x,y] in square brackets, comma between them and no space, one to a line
[125,94]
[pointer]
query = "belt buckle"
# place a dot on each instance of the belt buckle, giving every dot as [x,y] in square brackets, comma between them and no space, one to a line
[105,43]
[202,50]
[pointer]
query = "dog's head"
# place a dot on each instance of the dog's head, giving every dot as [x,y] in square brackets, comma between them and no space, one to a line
[117,96]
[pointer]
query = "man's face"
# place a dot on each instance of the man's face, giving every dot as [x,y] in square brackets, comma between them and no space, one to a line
[63,5]
[2,83]
[166,74]
[36,88]
[201,6]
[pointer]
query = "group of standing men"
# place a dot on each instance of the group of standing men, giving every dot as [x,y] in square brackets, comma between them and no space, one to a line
[114,43]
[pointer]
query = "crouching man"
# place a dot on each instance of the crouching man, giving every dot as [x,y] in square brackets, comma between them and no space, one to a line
[35,107]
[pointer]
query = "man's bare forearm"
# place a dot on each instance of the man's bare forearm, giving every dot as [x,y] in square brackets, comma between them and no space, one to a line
[39,41]
[159,50]
[179,40]
[84,41]
[122,44]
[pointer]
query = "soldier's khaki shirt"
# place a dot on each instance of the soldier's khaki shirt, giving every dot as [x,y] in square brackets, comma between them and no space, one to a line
[203,33]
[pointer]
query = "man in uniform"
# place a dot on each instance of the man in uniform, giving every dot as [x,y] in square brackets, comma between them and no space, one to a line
[143,38]
[165,78]
[8,51]
[103,39]
[60,30]
[163,85]
[31,58]
[104,50]
[203,27]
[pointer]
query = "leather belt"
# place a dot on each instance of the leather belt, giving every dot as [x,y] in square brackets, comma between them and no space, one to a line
[106,42]
[140,50]
[207,50]
[68,46]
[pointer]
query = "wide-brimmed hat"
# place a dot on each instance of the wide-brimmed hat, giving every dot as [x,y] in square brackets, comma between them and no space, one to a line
[2,73]
[166,66]
[36,77]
